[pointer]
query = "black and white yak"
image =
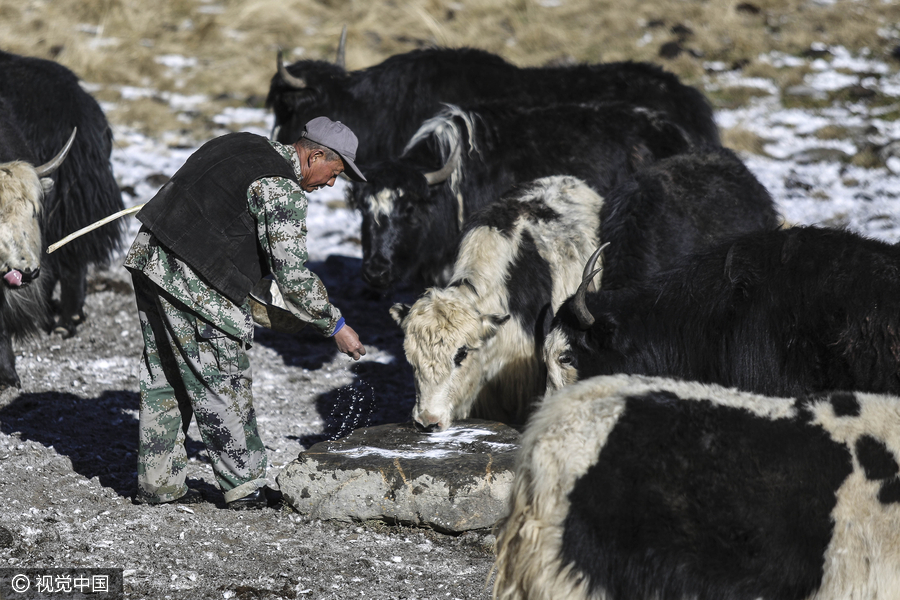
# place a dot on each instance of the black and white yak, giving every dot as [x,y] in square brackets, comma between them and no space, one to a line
[472,344]
[414,208]
[48,103]
[640,488]
[780,313]
[385,104]
[24,185]
[475,344]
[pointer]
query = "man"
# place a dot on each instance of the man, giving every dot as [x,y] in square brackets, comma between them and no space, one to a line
[234,213]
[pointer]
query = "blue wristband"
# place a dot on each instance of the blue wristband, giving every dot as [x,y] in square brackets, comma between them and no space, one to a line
[338,327]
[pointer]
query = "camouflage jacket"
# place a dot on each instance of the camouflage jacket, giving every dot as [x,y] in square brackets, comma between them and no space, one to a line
[279,206]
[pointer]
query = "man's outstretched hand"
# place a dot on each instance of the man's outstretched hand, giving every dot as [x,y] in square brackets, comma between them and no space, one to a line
[348,342]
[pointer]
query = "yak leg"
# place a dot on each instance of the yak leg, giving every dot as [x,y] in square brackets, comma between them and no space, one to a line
[8,375]
[72,292]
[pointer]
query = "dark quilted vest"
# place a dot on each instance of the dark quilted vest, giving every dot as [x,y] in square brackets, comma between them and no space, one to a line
[201,214]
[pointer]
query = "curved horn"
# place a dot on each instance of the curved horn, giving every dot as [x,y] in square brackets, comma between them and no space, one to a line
[584,316]
[275,131]
[444,172]
[341,60]
[291,80]
[591,261]
[54,163]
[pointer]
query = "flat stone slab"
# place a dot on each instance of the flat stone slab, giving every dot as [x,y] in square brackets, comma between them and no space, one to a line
[452,481]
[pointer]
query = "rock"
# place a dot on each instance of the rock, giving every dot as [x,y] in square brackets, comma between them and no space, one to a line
[806,91]
[670,50]
[793,182]
[6,538]
[453,481]
[817,155]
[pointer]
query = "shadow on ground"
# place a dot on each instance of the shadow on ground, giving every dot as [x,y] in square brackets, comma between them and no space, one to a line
[379,394]
[363,308]
[99,435]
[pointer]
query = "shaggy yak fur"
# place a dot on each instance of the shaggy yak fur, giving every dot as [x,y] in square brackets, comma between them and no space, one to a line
[49,103]
[25,309]
[413,219]
[472,344]
[631,487]
[475,345]
[781,313]
[44,102]
[386,103]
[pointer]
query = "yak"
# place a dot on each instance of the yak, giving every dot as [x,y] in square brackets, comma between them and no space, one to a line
[24,187]
[472,344]
[49,103]
[782,312]
[632,487]
[386,103]
[475,344]
[414,208]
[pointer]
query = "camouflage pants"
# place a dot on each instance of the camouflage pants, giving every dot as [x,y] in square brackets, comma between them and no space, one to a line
[191,368]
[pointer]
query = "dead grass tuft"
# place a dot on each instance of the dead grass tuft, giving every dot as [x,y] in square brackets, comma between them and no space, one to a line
[147,115]
[744,141]
[867,158]
[832,132]
[735,96]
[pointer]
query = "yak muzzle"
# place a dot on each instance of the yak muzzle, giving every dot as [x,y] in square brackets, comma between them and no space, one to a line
[16,278]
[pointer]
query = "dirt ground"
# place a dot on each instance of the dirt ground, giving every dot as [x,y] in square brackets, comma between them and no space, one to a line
[68,443]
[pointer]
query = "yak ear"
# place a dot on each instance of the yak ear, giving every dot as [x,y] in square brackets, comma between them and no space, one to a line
[498,320]
[545,320]
[492,324]
[399,312]
[640,156]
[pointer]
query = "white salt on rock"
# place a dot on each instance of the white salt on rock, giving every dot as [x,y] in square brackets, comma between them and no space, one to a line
[452,481]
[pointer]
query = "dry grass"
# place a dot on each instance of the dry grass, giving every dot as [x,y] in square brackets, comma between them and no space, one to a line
[120,42]
[743,140]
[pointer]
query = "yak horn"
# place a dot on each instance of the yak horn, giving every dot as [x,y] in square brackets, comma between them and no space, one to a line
[441,175]
[291,80]
[54,163]
[275,131]
[584,316]
[92,227]
[341,59]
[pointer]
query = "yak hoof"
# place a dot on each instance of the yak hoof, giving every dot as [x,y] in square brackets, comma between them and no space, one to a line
[67,327]
[65,332]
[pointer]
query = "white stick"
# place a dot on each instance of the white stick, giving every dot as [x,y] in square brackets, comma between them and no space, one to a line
[93,226]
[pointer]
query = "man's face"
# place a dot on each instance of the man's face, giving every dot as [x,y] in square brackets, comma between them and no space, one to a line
[317,172]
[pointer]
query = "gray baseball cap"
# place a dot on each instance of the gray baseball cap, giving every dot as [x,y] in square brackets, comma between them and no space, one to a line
[338,137]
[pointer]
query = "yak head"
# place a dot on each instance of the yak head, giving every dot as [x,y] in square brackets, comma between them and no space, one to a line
[409,220]
[445,341]
[304,90]
[560,357]
[21,242]
[22,189]
[575,343]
